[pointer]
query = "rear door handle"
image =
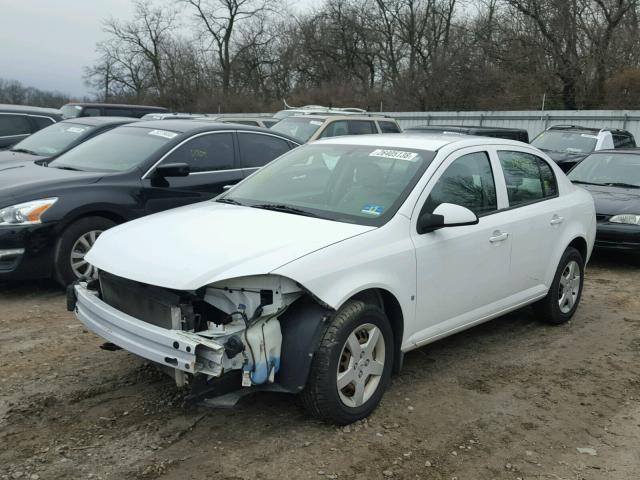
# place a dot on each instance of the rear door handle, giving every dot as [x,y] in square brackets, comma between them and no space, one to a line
[498,236]
[556,220]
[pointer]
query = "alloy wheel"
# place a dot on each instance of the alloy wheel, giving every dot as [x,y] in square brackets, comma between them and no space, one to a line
[80,267]
[361,365]
[569,287]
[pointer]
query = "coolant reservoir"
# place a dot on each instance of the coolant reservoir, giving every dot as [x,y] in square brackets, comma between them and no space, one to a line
[265,339]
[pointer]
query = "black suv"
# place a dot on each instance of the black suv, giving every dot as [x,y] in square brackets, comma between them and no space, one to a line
[73,110]
[51,215]
[18,122]
[568,145]
[495,132]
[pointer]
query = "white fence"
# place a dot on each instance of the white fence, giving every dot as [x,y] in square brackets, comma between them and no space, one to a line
[532,121]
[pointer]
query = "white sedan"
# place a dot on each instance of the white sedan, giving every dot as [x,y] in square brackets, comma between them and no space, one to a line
[318,272]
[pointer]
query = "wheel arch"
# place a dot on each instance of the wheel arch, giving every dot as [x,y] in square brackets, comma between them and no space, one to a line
[580,244]
[388,302]
[115,217]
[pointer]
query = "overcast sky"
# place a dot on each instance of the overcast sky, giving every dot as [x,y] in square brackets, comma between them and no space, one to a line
[47,43]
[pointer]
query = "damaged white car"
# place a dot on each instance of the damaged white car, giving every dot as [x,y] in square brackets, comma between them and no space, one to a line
[318,272]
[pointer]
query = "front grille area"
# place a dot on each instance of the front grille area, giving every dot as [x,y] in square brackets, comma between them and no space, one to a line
[145,302]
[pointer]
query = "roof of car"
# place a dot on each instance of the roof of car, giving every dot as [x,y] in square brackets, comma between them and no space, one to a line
[115,105]
[419,142]
[359,116]
[198,125]
[461,128]
[579,128]
[29,109]
[98,121]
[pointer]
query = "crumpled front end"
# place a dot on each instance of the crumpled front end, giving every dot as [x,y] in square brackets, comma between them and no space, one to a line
[226,326]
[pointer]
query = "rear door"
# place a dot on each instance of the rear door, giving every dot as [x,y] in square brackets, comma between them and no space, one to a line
[537,216]
[212,159]
[13,128]
[257,149]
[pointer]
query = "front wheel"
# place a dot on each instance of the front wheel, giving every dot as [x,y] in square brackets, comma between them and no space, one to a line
[566,290]
[352,367]
[74,243]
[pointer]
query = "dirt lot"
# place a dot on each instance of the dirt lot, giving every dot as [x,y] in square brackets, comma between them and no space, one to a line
[510,399]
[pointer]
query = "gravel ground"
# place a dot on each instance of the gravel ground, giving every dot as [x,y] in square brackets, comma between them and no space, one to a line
[509,399]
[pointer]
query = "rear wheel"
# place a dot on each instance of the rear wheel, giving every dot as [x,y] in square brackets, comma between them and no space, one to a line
[566,290]
[74,243]
[352,367]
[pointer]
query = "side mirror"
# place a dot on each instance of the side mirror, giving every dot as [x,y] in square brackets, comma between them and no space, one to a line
[173,170]
[446,215]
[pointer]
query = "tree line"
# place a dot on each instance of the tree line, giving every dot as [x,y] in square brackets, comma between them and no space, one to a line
[14,92]
[391,55]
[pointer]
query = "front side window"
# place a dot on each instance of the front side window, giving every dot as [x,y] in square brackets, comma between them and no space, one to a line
[117,150]
[118,112]
[621,140]
[528,177]
[336,129]
[388,127]
[349,183]
[42,122]
[205,153]
[91,112]
[53,139]
[467,182]
[256,150]
[14,125]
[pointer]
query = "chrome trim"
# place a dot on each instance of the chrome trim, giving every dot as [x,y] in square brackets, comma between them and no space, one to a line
[19,135]
[11,252]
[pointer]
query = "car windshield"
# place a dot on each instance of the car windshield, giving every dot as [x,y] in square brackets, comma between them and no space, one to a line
[53,139]
[565,142]
[117,150]
[301,128]
[348,183]
[607,169]
[71,111]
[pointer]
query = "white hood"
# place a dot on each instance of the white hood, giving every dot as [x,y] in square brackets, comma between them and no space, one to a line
[193,246]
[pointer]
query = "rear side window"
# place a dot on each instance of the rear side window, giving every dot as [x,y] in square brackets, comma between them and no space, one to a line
[14,125]
[251,123]
[528,177]
[361,127]
[256,150]
[468,182]
[206,153]
[621,140]
[42,122]
[388,127]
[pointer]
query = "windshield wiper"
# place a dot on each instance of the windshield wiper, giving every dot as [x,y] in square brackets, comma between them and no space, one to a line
[276,207]
[622,184]
[588,183]
[23,150]
[64,167]
[230,201]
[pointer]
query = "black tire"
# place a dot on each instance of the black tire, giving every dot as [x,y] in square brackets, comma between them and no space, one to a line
[62,271]
[320,396]
[548,309]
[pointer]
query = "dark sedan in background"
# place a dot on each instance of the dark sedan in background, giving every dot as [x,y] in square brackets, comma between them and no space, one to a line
[613,178]
[50,216]
[17,122]
[56,139]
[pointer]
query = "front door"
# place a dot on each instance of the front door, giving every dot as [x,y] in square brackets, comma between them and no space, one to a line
[462,272]
[212,161]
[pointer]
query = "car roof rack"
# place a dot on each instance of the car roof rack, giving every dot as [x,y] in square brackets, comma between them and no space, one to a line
[322,107]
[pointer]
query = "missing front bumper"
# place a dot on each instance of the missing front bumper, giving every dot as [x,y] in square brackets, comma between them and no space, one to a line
[180,350]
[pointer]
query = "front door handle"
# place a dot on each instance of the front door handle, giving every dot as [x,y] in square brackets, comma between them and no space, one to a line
[556,220]
[498,236]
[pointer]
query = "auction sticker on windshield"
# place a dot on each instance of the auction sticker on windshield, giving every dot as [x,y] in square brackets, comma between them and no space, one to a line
[371,209]
[163,133]
[76,129]
[395,154]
